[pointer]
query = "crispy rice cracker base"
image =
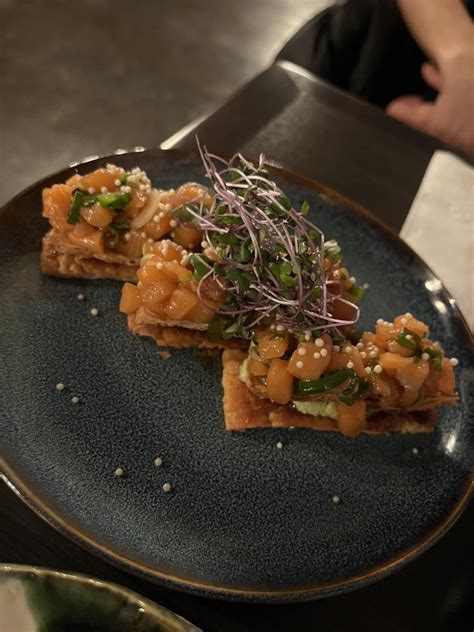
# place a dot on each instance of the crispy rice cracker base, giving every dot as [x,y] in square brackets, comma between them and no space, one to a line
[61,258]
[243,409]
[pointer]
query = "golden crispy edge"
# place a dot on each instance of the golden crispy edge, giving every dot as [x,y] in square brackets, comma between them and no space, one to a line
[243,410]
[61,259]
[178,337]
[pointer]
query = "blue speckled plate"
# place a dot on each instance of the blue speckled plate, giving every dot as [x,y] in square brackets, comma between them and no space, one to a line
[244,519]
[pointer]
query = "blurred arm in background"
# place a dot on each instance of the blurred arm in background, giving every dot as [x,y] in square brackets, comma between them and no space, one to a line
[445,31]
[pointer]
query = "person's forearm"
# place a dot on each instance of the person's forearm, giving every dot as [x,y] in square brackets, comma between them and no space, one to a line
[443,28]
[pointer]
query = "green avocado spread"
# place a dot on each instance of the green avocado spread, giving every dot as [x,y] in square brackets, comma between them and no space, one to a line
[323,409]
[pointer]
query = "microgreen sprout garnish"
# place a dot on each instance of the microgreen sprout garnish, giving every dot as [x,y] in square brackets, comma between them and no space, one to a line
[266,255]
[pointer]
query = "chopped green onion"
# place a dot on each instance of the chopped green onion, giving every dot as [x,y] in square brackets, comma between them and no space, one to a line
[75,208]
[115,200]
[409,340]
[437,357]
[326,383]
[201,264]
[356,389]
[89,200]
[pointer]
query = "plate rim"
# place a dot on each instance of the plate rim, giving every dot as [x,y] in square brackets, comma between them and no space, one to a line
[78,536]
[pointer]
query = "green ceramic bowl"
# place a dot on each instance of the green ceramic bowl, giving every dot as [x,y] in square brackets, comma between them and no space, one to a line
[41,600]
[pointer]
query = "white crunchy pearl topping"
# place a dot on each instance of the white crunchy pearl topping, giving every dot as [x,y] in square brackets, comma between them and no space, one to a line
[150,240]
[159,265]
[403,321]
[380,321]
[363,354]
[350,365]
[348,349]
[80,297]
[127,236]
[319,342]
[373,354]
[324,352]
[104,190]
[299,364]
[156,219]
[454,361]
[307,337]
[280,328]
[91,190]
[75,399]
[204,244]
[316,355]
[173,223]
[336,500]
[119,471]
[378,368]
[117,183]
[94,311]
[360,345]
[158,461]
[301,351]
[166,487]
[60,386]
[414,450]
[337,348]
[352,280]
[368,370]
[143,234]
[279,445]
[425,356]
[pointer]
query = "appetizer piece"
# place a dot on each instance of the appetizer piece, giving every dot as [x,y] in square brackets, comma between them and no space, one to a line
[263,263]
[393,379]
[101,221]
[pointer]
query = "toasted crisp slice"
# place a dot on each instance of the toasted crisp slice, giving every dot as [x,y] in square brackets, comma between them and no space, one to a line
[243,409]
[178,336]
[61,258]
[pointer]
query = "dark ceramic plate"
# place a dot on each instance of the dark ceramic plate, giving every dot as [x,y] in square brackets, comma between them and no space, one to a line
[244,519]
[36,599]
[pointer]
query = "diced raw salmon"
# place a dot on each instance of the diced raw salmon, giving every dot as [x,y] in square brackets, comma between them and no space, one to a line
[156,293]
[351,419]
[130,301]
[87,237]
[98,216]
[279,382]
[273,345]
[257,368]
[181,304]
[187,236]
[348,354]
[309,361]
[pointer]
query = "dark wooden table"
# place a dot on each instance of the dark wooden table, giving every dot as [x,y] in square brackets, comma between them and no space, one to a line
[357,150]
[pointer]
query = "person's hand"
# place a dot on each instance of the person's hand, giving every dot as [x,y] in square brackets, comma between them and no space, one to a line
[451,117]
